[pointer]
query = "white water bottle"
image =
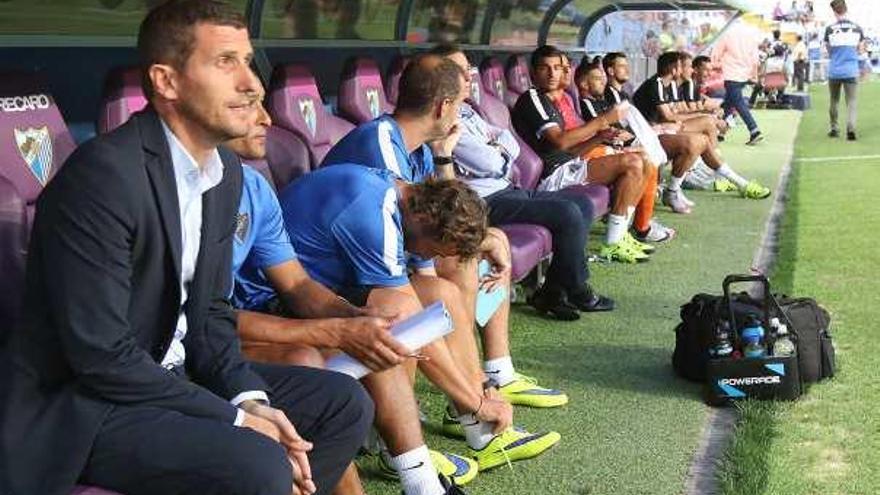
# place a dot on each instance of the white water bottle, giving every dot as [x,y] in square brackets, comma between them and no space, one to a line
[783,345]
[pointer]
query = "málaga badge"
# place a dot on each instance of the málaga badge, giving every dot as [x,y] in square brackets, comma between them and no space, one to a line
[307,109]
[35,147]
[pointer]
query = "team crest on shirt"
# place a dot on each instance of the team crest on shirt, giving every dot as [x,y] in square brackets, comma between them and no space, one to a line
[242,226]
[373,101]
[35,146]
[307,109]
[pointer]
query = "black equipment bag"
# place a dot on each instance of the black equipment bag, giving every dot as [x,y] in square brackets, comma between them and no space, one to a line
[808,323]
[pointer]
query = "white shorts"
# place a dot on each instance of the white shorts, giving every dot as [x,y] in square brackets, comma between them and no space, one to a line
[570,173]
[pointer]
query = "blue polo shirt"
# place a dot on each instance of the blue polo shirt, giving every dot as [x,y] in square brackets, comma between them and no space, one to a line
[843,38]
[346,226]
[379,144]
[260,242]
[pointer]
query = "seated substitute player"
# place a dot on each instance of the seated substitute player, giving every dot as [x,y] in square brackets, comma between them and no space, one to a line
[352,227]
[484,160]
[652,99]
[431,90]
[565,152]
[591,80]
[285,317]
[686,92]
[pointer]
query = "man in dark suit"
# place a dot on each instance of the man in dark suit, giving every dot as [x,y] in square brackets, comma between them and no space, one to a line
[126,372]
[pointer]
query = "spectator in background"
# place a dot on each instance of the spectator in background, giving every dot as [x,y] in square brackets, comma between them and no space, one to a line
[815,69]
[668,38]
[844,40]
[651,45]
[737,54]
[799,54]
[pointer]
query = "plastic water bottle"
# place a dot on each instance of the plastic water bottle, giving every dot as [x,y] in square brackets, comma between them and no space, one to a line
[753,337]
[783,345]
[722,347]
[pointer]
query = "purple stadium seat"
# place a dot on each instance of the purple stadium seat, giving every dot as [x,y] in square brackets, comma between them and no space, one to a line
[573,91]
[517,75]
[392,79]
[123,96]
[91,490]
[13,244]
[361,96]
[295,105]
[529,245]
[286,155]
[494,82]
[34,140]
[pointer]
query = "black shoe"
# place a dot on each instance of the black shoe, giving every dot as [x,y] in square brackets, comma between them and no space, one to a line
[553,304]
[755,138]
[449,485]
[851,135]
[833,133]
[590,302]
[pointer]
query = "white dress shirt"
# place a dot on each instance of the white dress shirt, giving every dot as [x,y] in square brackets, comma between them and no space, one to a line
[192,183]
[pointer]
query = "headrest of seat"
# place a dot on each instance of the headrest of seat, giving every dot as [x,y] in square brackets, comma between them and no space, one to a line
[361,94]
[34,140]
[123,96]
[295,104]
[518,79]
[492,77]
[286,155]
[13,243]
[392,80]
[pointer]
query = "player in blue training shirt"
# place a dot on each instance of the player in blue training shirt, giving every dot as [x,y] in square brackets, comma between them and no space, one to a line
[844,40]
[272,286]
[352,226]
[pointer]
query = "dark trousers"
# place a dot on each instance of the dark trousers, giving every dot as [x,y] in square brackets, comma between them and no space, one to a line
[566,214]
[149,451]
[801,75]
[849,87]
[733,99]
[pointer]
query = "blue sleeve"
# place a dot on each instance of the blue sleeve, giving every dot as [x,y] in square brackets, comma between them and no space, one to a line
[271,245]
[372,241]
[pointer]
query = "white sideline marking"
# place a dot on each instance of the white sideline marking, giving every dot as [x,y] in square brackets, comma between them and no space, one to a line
[837,158]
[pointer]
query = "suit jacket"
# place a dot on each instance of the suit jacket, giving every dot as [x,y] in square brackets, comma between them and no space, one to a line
[101,304]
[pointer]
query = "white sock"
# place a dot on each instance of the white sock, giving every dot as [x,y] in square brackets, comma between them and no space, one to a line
[729,174]
[675,183]
[616,228]
[477,433]
[500,370]
[417,473]
[630,212]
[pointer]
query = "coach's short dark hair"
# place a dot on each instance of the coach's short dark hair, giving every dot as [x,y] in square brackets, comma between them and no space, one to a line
[166,35]
[666,62]
[455,215]
[542,52]
[611,57]
[426,81]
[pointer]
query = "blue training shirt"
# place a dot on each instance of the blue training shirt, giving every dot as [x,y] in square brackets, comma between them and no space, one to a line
[260,242]
[346,226]
[379,144]
[843,39]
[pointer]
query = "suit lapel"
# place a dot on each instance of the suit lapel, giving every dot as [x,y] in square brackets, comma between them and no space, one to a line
[161,174]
